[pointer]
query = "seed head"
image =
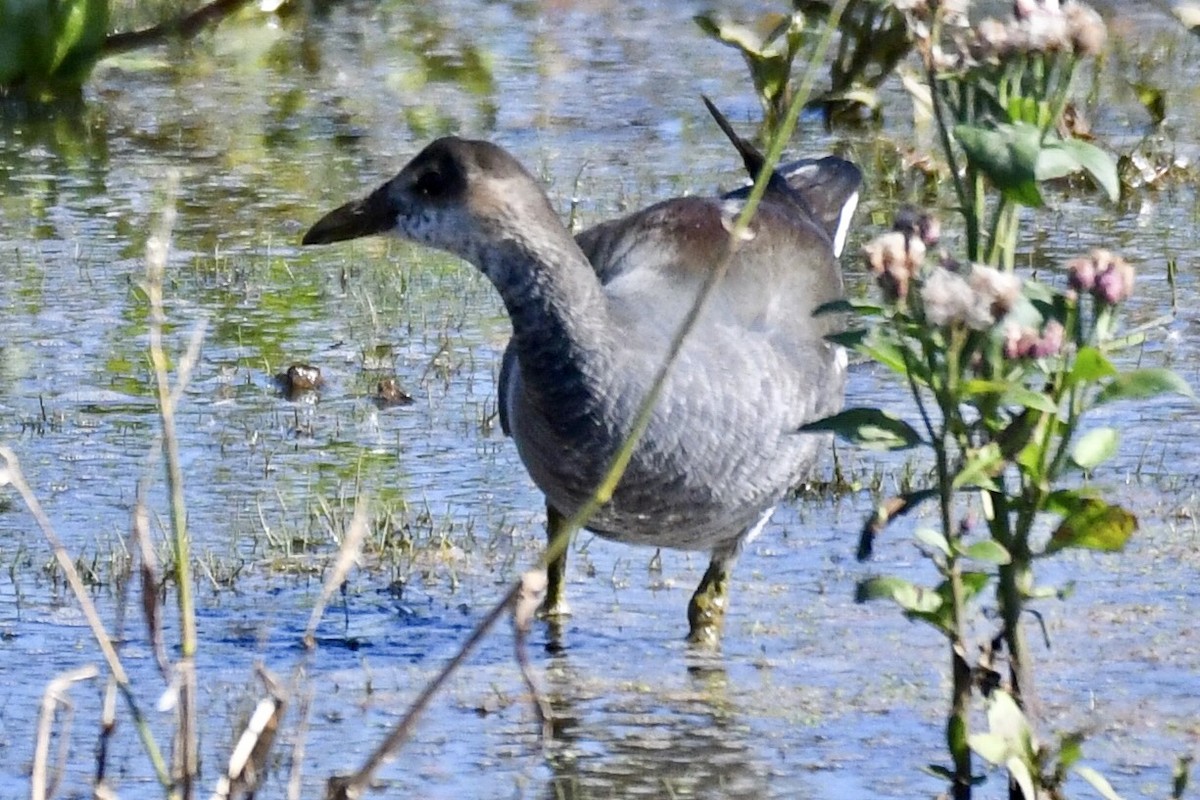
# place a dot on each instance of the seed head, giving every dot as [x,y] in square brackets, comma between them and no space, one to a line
[996,290]
[894,259]
[946,297]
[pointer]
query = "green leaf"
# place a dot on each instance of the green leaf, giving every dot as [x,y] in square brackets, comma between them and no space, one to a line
[1019,395]
[1061,157]
[845,306]
[870,428]
[1179,782]
[988,551]
[1007,720]
[933,539]
[978,386]
[1098,782]
[1153,98]
[865,342]
[1007,155]
[912,598]
[940,771]
[851,339]
[892,357]
[1093,525]
[980,466]
[1095,447]
[1070,749]
[732,34]
[1097,163]
[1067,501]
[989,746]
[918,602]
[1011,394]
[1091,365]
[1139,384]
[973,583]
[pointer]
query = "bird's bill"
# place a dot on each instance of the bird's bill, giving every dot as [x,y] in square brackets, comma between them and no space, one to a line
[370,215]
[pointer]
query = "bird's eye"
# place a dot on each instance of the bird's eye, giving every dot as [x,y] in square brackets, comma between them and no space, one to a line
[431,183]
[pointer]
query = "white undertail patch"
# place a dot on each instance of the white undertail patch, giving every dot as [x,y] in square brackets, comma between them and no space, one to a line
[843,226]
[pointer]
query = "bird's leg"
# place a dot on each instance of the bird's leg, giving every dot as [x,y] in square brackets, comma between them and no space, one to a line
[555,604]
[706,610]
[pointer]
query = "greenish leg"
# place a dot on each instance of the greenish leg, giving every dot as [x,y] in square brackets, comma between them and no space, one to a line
[555,604]
[706,611]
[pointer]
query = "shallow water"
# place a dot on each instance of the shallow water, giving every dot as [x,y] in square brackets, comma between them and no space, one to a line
[269,123]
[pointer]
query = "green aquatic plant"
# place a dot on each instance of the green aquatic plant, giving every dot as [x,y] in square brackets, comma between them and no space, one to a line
[1003,370]
[49,47]
[872,39]
[769,46]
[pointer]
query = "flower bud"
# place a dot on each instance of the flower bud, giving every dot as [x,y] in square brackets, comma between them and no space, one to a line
[1086,29]
[1114,281]
[1051,341]
[894,258]
[1081,274]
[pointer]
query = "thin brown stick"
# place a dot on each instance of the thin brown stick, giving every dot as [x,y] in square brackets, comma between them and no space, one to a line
[108,728]
[295,777]
[342,787]
[148,572]
[524,610]
[12,474]
[248,761]
[143,543]
[43,784]
[185,26]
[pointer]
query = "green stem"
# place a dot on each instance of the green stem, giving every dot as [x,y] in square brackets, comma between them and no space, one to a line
[156,261]
[958,722]
[936,99]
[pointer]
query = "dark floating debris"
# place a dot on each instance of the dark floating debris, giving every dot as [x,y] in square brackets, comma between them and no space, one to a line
[300,379]
[388,393]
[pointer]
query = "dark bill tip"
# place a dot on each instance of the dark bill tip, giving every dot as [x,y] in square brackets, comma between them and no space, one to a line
[370,215]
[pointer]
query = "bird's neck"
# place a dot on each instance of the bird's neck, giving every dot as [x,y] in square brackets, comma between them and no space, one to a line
[559,316]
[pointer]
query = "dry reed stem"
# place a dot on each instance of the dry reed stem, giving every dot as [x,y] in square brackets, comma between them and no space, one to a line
[295,786]
[187,741]
[148,573]
[108,728]
[348,553]
[247,762]
[350,787]
[12,474]
[43,784]
[524,611]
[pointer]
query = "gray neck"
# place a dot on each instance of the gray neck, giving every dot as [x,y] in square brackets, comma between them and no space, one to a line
[559,316]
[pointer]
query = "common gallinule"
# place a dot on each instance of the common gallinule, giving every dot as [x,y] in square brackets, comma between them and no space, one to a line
[592,317]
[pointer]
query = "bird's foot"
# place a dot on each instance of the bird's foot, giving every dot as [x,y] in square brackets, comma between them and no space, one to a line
[554,607]
[706,610]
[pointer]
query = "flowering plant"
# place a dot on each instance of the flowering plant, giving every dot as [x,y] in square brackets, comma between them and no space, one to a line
[1000,93]
[1002,371]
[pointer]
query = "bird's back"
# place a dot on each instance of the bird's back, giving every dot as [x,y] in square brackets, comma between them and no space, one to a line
[722,444]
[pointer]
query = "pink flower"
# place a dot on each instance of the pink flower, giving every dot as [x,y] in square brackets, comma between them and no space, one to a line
[1081,274]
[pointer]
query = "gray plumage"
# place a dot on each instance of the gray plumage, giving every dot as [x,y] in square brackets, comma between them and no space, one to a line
[593,316]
